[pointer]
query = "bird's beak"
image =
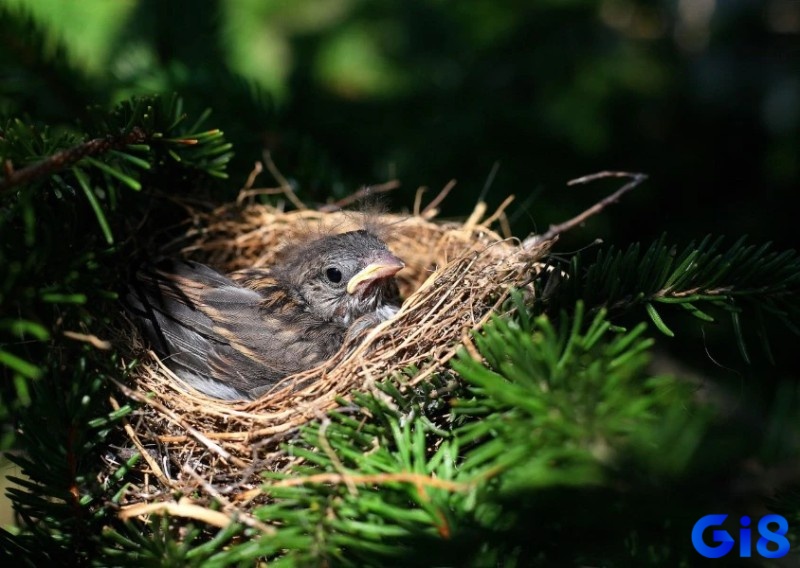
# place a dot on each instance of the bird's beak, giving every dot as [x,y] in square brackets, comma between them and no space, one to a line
[386,267]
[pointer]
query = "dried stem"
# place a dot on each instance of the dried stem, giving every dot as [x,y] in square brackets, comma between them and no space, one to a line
[555,230]
[365,191]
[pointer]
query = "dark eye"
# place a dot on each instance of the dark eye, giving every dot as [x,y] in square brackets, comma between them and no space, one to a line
[334,274]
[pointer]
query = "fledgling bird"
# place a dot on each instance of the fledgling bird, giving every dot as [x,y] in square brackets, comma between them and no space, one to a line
[232,337]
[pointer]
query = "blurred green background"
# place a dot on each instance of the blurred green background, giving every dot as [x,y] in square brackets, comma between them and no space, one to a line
[507,97]
[702,95]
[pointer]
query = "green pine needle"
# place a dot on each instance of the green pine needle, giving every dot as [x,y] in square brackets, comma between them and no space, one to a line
[703,278]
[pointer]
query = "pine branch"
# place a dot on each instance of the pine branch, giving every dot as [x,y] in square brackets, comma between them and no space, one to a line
[387,476]
[703,274]
[58,496]
[66,158]
[56,298]
[536,377]
[562,413]
[42,223]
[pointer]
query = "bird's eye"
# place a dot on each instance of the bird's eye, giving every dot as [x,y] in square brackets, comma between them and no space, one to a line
[334,274]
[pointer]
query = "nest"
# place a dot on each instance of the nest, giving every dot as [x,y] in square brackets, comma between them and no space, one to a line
[457,275]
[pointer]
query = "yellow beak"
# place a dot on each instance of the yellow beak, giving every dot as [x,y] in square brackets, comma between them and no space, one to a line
[375,271]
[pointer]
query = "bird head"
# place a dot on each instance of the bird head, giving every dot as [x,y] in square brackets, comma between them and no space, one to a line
[344,276]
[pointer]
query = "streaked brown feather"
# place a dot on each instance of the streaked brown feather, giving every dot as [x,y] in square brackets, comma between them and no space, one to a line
[234,336]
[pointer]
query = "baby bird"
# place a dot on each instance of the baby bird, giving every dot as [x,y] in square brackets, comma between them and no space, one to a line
[232,337]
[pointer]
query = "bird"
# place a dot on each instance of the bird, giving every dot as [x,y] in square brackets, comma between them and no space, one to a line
[233,336]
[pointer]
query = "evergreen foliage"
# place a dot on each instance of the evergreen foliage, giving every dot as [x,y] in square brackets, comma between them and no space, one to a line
[556,445]
[69,199]
[64,200]
[741,277]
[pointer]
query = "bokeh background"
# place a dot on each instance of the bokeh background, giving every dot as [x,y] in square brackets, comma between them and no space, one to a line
[703,95]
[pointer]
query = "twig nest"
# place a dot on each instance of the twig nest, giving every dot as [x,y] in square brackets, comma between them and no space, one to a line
[456,276]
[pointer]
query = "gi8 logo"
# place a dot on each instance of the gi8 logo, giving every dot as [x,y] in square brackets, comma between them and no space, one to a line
[726,541]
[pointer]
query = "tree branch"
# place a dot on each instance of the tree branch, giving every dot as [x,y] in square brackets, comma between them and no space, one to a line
[555,230]
[66,158]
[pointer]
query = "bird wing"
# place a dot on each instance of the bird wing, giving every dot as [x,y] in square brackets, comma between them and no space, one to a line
[216,333]
[258,279]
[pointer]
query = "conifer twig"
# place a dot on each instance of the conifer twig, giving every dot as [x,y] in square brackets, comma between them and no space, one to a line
[66,158]
[337,463]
